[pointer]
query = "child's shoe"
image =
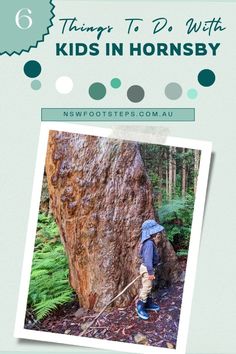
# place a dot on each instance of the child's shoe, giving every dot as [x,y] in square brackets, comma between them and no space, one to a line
[140,308]
[151,306]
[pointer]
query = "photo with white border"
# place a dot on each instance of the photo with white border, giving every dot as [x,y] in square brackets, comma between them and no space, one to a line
[64,136]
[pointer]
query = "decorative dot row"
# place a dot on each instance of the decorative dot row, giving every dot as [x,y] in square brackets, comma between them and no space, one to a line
[135,93]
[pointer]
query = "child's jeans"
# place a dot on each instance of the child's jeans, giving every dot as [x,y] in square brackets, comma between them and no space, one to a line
[146,288]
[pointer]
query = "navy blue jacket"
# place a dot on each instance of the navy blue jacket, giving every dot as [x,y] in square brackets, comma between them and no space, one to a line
[149,255]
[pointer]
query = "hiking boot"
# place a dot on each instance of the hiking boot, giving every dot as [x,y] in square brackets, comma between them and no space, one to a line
[140,308]
[151,306]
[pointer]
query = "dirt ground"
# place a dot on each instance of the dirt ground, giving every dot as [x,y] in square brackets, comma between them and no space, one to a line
[122,324]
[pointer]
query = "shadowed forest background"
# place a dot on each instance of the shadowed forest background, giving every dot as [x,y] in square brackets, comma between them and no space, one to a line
[173,175]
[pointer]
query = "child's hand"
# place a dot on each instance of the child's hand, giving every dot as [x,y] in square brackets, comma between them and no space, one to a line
[151,276]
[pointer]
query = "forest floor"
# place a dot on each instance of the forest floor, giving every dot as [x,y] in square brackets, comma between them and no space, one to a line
[122,324]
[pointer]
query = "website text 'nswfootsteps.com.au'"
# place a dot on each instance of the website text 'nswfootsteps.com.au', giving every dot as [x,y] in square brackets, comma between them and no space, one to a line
[118,114]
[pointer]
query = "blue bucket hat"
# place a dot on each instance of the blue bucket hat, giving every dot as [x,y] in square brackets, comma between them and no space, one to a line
[150,227]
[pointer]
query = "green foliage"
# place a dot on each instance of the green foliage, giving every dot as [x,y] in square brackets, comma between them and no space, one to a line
[49,285]
[176,217]
[47,228]
[154,178]
[172,172]
[156,160]
[182,253]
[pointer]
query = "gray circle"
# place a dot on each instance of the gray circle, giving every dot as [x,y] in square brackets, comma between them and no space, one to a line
[173,91]
[135,93]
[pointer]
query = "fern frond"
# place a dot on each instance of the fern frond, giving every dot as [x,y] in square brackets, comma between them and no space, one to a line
[49,284]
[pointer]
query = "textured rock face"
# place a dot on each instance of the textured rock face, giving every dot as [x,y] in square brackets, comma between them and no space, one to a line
[100,195]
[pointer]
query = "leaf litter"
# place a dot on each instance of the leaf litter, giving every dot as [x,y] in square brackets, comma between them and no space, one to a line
[122,325]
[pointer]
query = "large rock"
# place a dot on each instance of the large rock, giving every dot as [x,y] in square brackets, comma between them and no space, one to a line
[100,195]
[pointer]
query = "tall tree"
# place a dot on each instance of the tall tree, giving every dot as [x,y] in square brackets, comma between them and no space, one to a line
[167,177]
[174,168]
[170,173]
[196,167]
[160,178]
[184,179]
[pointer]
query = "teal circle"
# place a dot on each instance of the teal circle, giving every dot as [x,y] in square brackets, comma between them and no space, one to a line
[97,91]
[35,85]
[115,83]
[192,93]
[32,68]
[206,77]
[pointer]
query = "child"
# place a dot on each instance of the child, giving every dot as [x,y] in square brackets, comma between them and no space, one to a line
[150,237]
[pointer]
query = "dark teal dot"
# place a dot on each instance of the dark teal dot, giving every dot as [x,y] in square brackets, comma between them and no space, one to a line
[97,91]
[32,68]
[115,83]
[206,77]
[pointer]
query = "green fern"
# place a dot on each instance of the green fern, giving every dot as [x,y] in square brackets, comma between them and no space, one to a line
[44,308]
[49,284]
[176,216]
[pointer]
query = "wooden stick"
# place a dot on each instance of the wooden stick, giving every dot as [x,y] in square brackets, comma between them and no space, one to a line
[114,298]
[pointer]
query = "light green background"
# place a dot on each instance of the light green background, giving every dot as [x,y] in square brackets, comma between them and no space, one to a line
[212,325]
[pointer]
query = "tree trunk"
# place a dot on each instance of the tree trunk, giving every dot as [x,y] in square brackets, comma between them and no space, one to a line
[196,167]
[167,180]
[170,173]
[160,177]
[183,175]
[100,196]
[44,206]
[174,170]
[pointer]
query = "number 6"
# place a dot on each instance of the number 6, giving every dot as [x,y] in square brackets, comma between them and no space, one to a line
[20,15]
